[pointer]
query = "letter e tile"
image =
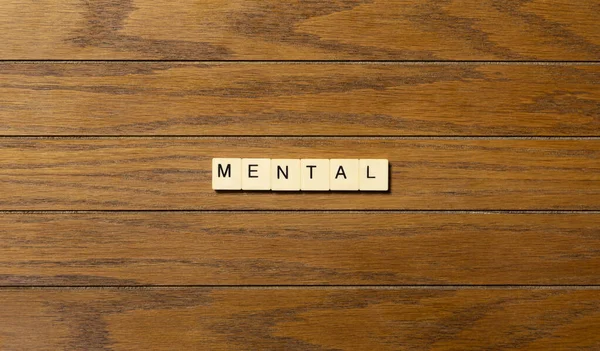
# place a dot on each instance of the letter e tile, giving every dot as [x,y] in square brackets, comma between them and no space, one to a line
[256,174]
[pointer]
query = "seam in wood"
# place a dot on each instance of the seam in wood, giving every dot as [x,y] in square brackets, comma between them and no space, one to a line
[292,137]
[372,211]
[324,62]
[307,287]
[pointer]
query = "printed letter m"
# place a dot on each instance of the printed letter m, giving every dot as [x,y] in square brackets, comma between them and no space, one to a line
[225,173]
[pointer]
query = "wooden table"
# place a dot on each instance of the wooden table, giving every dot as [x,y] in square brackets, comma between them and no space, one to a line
[111,237]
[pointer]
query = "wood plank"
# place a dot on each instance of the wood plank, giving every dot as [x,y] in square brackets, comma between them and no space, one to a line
[175,173]
[300,319]
[297,248]
[307,30]
[299,99]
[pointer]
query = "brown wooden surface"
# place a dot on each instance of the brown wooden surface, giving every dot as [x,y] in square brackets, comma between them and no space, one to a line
[175,173]
[454,122]
[298,99]
[300,319]
[301,30]
[296,248]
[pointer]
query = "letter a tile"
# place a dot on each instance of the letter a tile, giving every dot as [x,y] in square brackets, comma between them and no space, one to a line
[343,174]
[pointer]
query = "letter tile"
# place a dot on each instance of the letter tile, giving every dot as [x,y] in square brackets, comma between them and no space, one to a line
[227,173]
[374,175]
[314,174]
[285,174]
[343,174]
[256,174]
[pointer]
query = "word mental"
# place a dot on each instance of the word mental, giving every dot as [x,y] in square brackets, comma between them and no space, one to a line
[300,174]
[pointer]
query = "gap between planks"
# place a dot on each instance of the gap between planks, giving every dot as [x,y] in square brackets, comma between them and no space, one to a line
[448,212]
[293,137]
[302,287]
[323,62]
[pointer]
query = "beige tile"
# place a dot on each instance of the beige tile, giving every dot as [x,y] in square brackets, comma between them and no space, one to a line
[373,175]
[314,174]
[343,174]
[227,173]
[285,174]
[256,174]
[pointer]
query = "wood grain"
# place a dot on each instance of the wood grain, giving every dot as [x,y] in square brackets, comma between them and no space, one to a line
[431,273]
[299,99]
[175,173]
[297,248]
[301,30]
[300,319]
